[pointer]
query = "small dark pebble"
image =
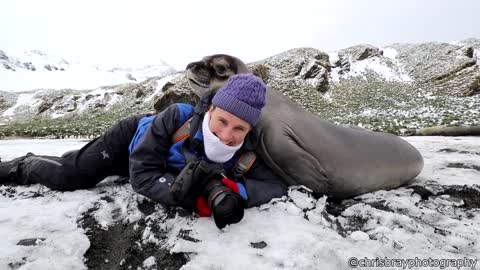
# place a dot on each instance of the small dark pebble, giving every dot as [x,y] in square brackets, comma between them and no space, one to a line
[29,241]
[258,245]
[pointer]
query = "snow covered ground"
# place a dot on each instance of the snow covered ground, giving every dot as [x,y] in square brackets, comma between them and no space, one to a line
[432,223]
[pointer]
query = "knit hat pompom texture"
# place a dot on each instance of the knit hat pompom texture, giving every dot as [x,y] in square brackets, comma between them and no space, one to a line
[243,95]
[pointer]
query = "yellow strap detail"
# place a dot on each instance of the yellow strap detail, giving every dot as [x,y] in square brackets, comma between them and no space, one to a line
[183,132]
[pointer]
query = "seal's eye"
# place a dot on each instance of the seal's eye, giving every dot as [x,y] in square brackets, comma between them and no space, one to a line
[221,70]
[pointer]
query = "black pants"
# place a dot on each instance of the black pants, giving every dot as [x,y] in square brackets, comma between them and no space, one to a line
[84,168]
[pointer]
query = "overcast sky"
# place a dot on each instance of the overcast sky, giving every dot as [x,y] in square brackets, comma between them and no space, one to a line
[181,31]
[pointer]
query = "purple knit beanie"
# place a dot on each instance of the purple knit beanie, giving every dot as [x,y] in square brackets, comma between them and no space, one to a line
[243,95]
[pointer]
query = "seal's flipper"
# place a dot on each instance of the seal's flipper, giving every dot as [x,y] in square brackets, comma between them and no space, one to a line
[279,156]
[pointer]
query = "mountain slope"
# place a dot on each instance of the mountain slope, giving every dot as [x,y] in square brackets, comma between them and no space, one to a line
[397,88]
[27,70]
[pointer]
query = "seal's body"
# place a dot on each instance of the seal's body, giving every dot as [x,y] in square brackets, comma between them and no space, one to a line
[306,150]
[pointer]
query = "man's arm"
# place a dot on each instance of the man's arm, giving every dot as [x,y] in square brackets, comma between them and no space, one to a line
[262,184]
[149,174]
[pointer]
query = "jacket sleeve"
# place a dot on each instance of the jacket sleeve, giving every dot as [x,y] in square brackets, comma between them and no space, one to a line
[263,184]
[149,174]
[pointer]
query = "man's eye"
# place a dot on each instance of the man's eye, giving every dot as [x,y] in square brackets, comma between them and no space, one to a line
[240,129]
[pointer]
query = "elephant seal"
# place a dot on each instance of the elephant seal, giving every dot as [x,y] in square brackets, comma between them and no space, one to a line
[449,130]
[306,150]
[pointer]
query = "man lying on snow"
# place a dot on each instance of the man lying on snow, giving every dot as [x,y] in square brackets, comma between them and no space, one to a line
[180,157]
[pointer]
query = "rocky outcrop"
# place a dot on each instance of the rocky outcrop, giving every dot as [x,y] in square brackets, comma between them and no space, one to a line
[355,54]
[3,55]
[442,67]
[175,91]
[67,112]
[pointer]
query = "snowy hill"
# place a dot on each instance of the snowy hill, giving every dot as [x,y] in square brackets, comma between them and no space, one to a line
[27,70]
[398,88]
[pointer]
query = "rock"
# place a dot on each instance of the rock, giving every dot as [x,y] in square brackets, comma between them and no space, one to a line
[7,66]
[29,66]
[469,52]
[261,71]
[342,62]
[3,56]
[172,97]
[290,63]
[473,88]
[130,77]
[441,67]
[361,52]
[177,90]
[45,105]
[312,70]
[139,93]
[258,245]
[359,236]
[30,241]
[354,54]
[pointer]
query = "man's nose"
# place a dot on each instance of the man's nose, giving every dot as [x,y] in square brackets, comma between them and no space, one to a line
[225,136]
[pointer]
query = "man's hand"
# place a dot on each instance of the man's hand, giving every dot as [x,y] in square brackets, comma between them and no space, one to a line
[207,171]
[182,184]
[193,177]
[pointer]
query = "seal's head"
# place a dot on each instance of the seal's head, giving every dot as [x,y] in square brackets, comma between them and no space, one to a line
[213,71]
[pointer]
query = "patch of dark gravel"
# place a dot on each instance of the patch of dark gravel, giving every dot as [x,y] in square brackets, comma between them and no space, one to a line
[422,191]
[147,207]
[452,150]
[120,245]
[470,195]
[460,165]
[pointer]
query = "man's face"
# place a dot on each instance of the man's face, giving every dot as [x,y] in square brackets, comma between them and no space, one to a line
[230,129]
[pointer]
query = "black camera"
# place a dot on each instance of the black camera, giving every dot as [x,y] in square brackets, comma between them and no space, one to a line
[227,206]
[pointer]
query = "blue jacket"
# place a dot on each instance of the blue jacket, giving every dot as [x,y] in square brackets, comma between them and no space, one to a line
[155,161]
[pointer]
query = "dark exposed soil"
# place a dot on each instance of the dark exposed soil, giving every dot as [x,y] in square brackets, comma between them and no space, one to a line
[422,191]
[463,166]
[452,150]
[469,195]
[335,207]
[120,245]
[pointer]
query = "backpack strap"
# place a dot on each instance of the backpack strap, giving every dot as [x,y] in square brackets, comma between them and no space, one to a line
[183,132]
[244,163]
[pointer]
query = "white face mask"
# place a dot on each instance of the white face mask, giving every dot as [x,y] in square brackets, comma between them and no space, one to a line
[215,150]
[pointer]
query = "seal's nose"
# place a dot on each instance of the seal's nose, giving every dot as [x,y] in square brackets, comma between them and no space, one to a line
[194,65]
